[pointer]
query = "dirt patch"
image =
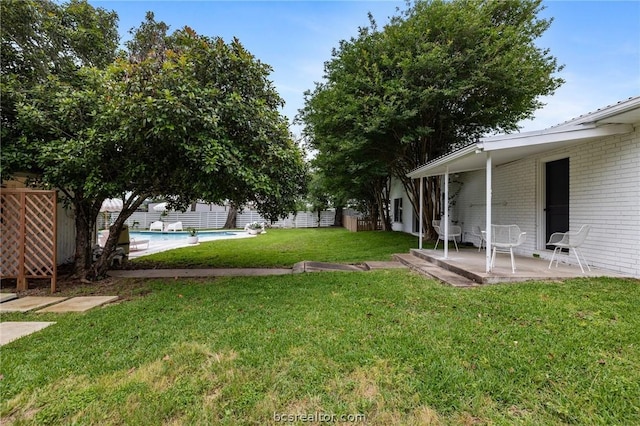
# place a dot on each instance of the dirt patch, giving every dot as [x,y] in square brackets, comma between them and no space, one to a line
[70,286]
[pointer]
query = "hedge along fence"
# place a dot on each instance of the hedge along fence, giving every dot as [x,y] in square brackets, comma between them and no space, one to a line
[216,220]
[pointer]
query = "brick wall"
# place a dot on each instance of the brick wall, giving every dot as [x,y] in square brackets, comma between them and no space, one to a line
[604,192]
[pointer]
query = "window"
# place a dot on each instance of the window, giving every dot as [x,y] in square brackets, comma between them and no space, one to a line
[397,210]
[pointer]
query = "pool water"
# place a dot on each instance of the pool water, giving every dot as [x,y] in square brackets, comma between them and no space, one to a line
[176,236]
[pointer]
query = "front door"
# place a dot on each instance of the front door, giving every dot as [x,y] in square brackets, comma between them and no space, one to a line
[557,196]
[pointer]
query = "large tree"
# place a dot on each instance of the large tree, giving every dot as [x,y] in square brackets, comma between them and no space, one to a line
[42,39]
[181,116]
[438,76]
[48,50]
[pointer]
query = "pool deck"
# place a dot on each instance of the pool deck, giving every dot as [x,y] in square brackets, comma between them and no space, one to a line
[164,245]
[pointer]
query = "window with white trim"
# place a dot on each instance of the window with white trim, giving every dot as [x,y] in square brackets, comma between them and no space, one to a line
[397,210]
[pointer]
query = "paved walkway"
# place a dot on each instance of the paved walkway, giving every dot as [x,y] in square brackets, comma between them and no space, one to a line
[12,330]
[300,267]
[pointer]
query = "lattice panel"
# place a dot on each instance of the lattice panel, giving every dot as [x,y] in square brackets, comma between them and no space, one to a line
[10,213]
[28,219]
[40,226]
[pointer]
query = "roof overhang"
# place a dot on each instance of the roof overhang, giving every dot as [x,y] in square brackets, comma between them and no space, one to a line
[507,148]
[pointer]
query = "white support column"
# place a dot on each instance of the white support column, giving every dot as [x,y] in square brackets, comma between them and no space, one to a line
[488,213]
[446,213]
[421,212]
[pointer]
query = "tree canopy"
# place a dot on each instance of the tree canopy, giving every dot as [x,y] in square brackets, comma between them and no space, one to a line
[183,116]
[436,77]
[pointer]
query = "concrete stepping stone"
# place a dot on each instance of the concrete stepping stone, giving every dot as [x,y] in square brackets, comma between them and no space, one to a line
[12,330]
[28,303]
[5,297]
[79,304]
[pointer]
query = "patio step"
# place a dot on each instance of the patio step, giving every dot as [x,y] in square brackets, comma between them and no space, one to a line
[425,267]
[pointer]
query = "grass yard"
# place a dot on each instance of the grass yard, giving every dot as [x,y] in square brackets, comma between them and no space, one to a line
[284,248]
[378,348]
[387,346]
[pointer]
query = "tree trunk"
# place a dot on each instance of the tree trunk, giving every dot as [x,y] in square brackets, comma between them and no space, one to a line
[232,217]
[431,208]
[337,218]
[99,269]
[83,254]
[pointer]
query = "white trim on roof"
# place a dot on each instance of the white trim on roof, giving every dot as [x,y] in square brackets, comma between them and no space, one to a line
[511,147]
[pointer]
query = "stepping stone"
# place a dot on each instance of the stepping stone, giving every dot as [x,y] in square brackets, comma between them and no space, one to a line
[10,331]
[28,303]
[79,304]
[5,297]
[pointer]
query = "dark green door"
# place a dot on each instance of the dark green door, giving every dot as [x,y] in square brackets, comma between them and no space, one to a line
[557,195]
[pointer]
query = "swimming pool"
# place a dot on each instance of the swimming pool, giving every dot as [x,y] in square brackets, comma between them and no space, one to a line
[178,235]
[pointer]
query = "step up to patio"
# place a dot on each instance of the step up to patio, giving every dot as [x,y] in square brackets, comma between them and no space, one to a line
[432,270]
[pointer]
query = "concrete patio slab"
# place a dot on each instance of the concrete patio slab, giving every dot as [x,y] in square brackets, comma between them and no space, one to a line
[10,331]
[5,297]
[471,264]
[79,304]
[28,303]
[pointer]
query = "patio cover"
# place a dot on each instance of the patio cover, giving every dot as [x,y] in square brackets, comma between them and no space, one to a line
[492,151]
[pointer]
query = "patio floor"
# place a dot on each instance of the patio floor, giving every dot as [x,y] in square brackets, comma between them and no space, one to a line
[470,263]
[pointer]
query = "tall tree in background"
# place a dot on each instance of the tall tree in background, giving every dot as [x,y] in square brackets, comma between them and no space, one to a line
[437,77]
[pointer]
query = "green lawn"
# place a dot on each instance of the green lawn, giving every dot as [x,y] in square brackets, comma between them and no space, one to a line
[285,247]
[389,345]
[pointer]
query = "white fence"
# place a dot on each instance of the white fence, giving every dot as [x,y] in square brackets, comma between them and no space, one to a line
[216,220]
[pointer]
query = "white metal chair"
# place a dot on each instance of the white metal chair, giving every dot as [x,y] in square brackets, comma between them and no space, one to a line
[478,233]
[569,240]
[454,231]
[135,244]
[503,239]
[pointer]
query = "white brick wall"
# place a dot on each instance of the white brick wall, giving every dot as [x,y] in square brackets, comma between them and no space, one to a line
[604,192]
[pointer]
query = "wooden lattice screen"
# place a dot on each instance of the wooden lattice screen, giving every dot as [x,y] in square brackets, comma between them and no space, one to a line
[28,233]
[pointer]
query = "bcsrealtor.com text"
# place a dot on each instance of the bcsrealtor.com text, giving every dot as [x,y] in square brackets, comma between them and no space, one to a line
[317,417]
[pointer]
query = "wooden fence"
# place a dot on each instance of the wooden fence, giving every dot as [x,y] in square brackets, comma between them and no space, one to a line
[355,224]
[28,229]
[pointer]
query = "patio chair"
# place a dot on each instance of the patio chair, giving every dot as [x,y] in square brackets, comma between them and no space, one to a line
[135,244]
[176,226]
[569,240]
[503,239]
[478,233]
[454,231]
[157,226]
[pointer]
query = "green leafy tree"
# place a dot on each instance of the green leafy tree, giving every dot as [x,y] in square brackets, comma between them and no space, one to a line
[183,117]
[191,117]
[41,39]
[438,76]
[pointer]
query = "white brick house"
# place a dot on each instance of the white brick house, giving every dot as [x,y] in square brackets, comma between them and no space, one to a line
[584,171]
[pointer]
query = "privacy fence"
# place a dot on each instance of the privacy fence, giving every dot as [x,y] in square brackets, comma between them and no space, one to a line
[216,220]
[356,223]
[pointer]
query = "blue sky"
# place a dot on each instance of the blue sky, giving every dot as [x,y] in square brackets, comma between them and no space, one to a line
[597,41]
